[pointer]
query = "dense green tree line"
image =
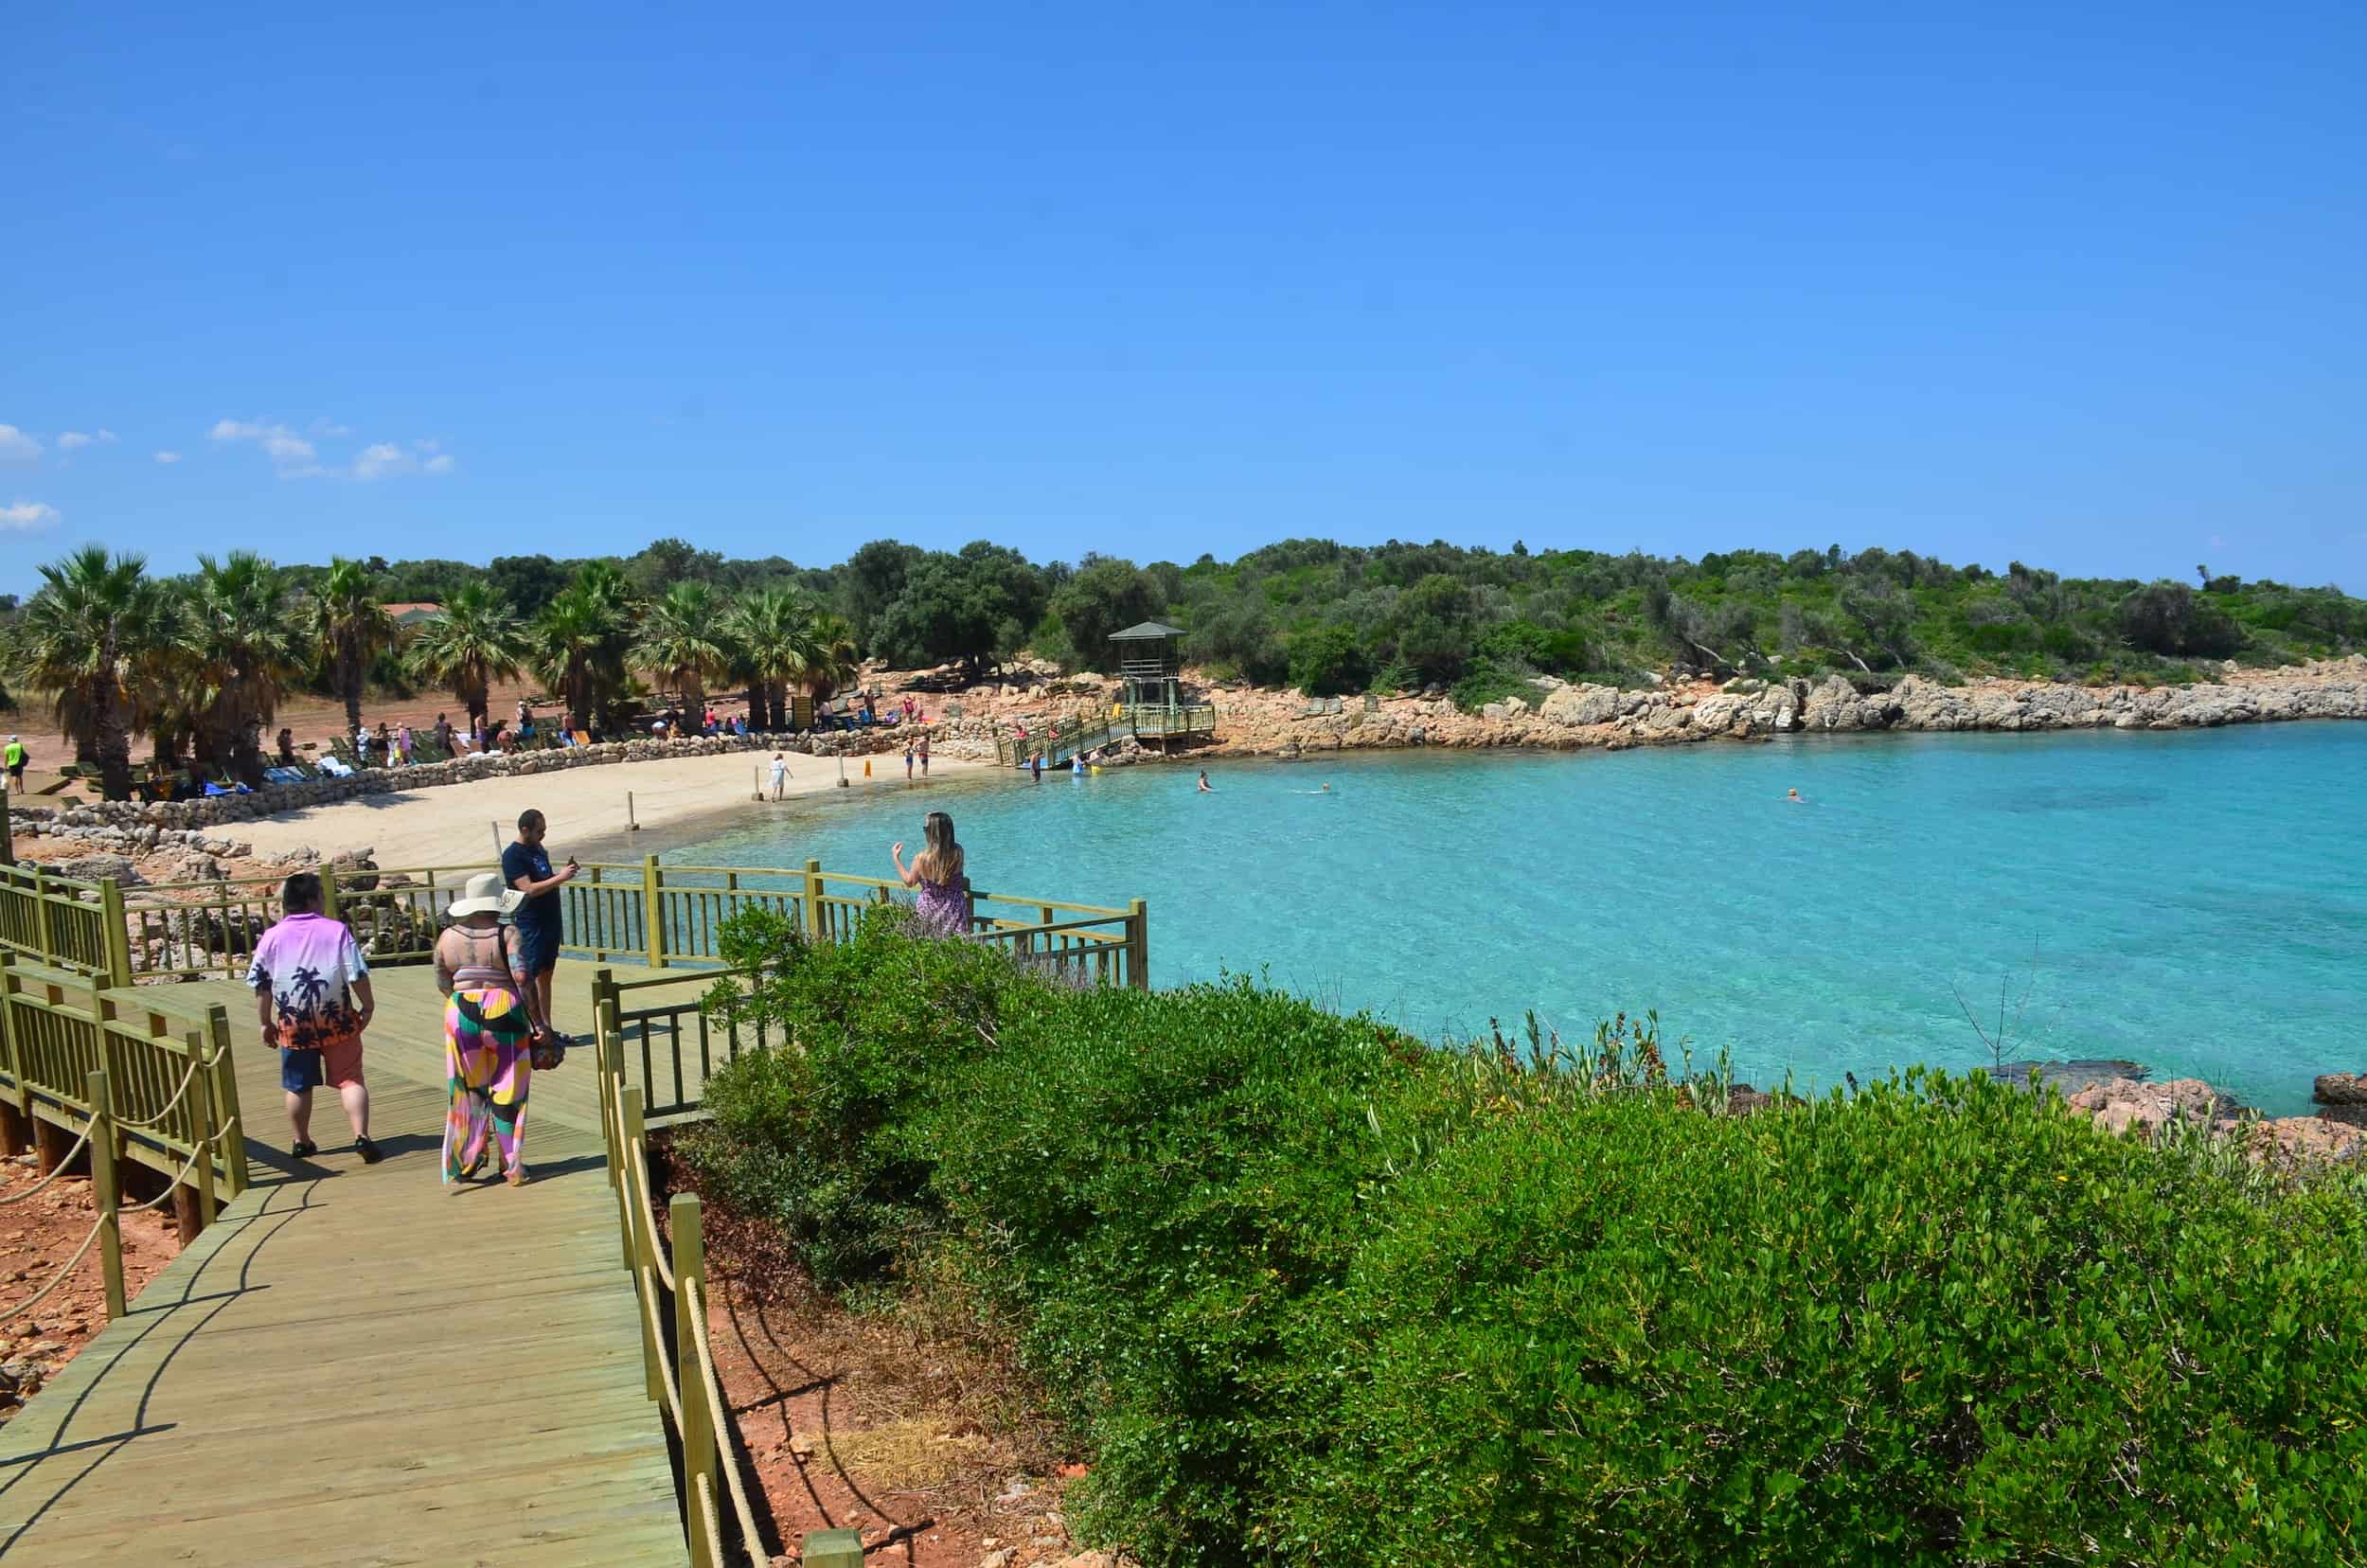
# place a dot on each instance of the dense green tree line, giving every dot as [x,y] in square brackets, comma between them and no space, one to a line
[199,665]
[1311,612]
[1336,617]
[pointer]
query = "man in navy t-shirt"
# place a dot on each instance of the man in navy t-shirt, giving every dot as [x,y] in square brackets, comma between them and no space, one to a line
[526,866]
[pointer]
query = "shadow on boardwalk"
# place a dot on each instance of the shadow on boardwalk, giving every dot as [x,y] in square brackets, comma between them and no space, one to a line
[358,1366]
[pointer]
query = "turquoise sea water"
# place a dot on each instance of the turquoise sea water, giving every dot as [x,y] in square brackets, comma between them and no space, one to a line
[2193,901]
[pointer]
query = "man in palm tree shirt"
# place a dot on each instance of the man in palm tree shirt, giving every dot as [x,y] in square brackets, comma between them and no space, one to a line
[312,996]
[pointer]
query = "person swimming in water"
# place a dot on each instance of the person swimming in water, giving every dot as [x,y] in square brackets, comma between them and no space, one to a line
[1795,797]
[1203,782]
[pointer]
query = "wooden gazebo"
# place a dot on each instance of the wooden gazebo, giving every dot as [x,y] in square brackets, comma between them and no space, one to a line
[1151,663]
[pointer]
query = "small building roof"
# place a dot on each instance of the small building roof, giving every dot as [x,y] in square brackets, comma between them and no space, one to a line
[406,614]
[1146,631]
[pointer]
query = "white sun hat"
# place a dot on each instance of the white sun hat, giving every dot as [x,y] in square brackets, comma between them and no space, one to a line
[486,896]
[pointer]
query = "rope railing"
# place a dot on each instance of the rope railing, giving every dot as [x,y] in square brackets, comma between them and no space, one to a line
[59,1278]
[157,1120]
[57,1171]
[698,1317]
[669,1273]
[106,1231]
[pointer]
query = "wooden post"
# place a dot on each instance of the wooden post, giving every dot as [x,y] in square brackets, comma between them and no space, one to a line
[103,1192]
[201,1129]
[7,827]
[16,1111]
[632,824]
[1138,946]
[50,1146]
[643,1231]
[41,918]
[833,1549]
[603,1049]
[223,1073]
[653,910]
[816,928]
[698,1419]
[498,846]
[328,891]
[114,939]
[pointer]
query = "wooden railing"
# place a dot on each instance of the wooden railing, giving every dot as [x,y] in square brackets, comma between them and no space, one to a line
[670,1287]
[211,927]
[137,1081]
[1062,740]
[1178,723]
[49,921]
[662,916]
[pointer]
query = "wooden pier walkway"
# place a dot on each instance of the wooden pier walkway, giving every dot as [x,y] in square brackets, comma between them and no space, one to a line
[356,1365]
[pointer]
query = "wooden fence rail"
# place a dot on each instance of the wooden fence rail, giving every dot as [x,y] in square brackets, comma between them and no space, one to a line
[662,916]
[84,1064]
[670,1280]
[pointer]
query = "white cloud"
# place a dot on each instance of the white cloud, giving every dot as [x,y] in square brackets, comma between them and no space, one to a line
[328,427]
[386,460]
[28,514]
[17,447]
[289,451]
[74,440]
[383,461]
[168,457]
[296,457]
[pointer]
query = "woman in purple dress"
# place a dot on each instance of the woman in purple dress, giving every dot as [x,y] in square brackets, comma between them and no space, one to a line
[936,871]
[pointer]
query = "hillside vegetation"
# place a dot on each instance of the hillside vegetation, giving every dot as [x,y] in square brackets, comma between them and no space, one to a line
[1306,1291]
[199,663]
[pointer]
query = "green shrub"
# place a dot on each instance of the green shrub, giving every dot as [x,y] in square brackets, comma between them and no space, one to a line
[1311,1292]
[1492,682]
[1939,1320]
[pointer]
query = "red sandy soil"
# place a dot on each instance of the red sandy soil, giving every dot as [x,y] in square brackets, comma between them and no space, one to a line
[37,1235]
[858,1422]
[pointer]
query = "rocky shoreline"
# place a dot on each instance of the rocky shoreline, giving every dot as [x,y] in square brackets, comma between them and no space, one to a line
[1563,717]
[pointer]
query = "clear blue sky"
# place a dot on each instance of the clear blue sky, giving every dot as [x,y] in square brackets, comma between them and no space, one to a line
[2084,285]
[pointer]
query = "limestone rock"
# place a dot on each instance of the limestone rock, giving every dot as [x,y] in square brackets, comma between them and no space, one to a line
[2341,1088]
[2117,1105]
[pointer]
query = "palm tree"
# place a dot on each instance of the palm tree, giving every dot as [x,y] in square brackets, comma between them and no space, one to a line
[834,660]
[683,643]
[248,648]
[772,636]
[92,637]
[476,641]
[350,629]
[581,643]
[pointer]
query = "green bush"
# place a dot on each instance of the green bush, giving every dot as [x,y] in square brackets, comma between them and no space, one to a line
[1308,1290]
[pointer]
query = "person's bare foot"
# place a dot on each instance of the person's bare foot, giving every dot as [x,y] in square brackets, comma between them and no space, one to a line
[517,1176]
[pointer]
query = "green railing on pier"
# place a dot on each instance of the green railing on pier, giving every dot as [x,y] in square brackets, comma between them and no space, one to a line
[645,912]
[133,1080]
[1178,723]
[1086,732]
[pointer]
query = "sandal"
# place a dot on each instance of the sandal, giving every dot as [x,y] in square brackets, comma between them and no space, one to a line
[517,1176]
[303,1149]
[369,1151]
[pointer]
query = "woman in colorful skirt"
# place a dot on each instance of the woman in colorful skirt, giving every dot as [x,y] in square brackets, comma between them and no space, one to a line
[491,1031]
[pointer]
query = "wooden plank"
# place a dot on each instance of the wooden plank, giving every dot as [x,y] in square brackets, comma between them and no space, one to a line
[357,1365]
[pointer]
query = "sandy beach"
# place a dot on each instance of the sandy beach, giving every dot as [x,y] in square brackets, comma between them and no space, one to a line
[456,823]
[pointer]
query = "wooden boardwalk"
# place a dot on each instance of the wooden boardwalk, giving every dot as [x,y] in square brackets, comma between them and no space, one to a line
[356,1365]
